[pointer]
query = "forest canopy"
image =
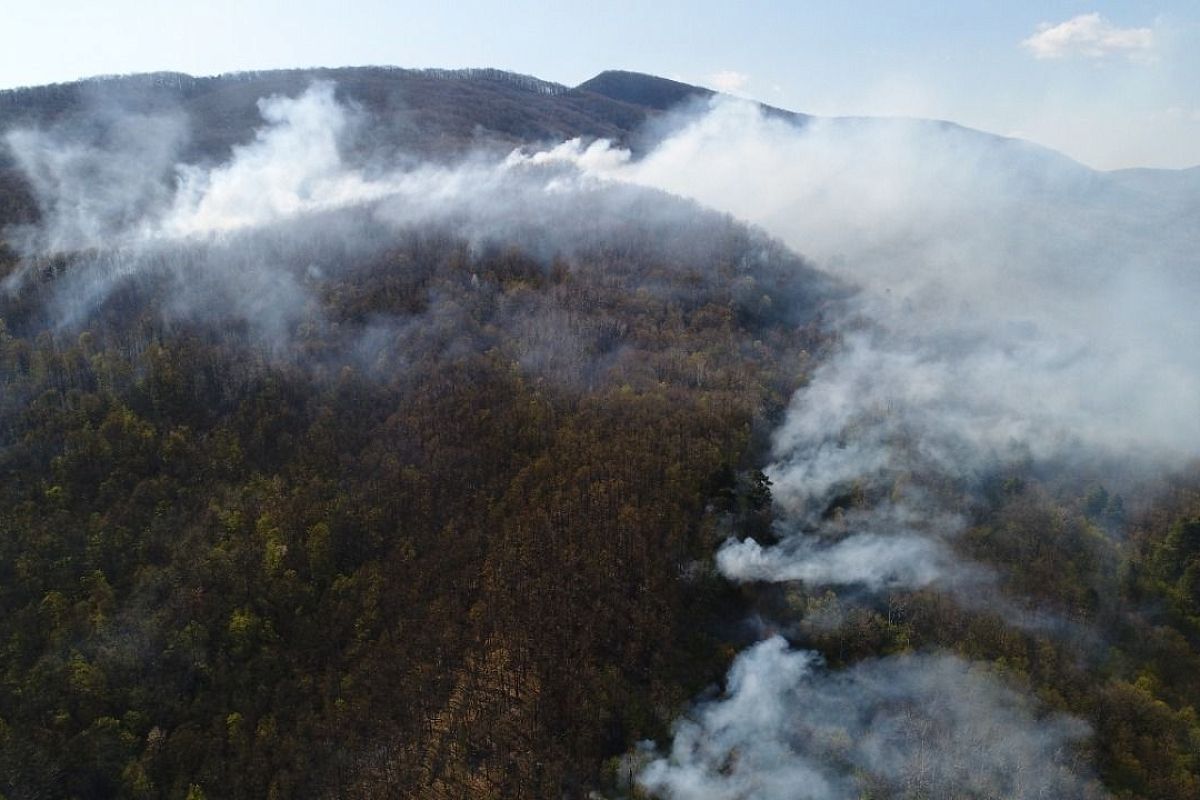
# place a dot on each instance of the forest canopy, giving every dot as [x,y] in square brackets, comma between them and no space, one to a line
[446,470]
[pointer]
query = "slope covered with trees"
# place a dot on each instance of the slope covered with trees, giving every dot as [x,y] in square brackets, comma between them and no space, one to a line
[353,507]
[449,540]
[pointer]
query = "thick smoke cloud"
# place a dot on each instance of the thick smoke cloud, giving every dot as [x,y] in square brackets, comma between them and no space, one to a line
[253,242]
[113,178]
[293,166]
[997,262]
[1012,305]
[905,726]
[890,546]
[95,181]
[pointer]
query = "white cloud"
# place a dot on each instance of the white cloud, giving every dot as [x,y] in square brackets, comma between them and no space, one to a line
[729,80]
[1089,36]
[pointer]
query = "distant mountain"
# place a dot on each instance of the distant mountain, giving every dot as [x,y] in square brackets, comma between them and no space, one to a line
[430,112]
[443,114]
[643,90]
[415,114]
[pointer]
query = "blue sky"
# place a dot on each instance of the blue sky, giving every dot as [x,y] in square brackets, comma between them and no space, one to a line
[1112,84]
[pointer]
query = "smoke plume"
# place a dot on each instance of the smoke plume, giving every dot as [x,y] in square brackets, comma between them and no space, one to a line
[1012,306]
[253,242]
[905,726]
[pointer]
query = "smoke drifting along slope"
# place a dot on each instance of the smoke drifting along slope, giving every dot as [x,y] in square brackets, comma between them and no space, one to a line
[909,726]
[1012,306]
[253,240]
[1019,306]
[433,368]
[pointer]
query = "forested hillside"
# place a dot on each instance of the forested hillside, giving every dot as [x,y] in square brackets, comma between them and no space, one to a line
[449,538]
[423,492]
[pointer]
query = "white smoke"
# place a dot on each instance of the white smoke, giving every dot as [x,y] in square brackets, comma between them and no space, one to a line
[1053,289]
[250,241]
[124,188]
[95,182]
[292,167]
[888,547]
[906,726]
[1020,305]
[1013,305]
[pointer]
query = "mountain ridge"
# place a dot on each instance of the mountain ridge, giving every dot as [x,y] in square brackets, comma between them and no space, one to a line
[448,111]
